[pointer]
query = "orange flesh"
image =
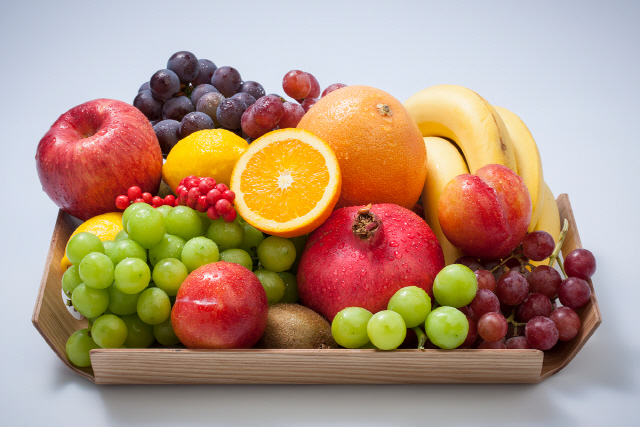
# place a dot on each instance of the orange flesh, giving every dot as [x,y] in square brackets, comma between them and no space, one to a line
[284,187]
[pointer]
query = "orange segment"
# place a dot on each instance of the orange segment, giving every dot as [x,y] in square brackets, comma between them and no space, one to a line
[286,183]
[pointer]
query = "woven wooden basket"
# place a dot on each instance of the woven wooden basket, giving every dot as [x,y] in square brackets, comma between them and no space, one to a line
[332,366]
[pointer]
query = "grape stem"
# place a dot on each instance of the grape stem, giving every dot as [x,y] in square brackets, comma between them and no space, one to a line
[556,251]
[422,337]
[517,255]
[515,324]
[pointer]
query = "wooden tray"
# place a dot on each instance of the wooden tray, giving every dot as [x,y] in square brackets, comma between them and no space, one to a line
[338,366]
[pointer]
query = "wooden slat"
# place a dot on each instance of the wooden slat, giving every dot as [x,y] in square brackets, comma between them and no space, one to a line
[182,366]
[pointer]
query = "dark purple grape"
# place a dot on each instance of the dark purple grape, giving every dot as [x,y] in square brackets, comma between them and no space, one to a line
[229,113]
[148,105]
[574,292]
[268,111]
[176,108]
[254,89]
[194,122]
[209,103]
[484,302]
[168,134]
[227,80]
[512,288]
[293,113]
[246,98]
[580,263]
[567,322]
[538,245]
[470,262]
[545,280]
[541,332]
[164,84]
[249,125]
[534,305]
[144,86]
[201,90]
[207,68]
[185,65]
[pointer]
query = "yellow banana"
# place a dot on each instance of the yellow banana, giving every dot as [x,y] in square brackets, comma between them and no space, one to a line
[528,160]
[549,220]
[444,162]
[461,115]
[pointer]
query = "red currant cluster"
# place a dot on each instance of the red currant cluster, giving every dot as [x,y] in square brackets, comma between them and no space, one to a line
[200,193]
[135,195]
[205,195]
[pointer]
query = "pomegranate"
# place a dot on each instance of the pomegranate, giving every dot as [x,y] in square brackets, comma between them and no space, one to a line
[360,256]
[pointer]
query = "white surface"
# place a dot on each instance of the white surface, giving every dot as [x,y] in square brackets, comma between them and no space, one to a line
[568,69]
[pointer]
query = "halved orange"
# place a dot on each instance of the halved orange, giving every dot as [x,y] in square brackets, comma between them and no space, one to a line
[286,183]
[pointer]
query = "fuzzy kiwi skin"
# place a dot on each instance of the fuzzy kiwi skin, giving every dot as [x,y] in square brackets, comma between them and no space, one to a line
[296,326]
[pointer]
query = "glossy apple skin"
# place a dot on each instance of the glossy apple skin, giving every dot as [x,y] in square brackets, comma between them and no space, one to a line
[220,305]
[486,215]
[95,152]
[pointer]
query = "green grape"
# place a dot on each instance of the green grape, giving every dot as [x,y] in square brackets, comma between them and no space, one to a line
[71,279]
[386,330]
[170,247]
[139,333]
[108,245]
[122,235]
[154,306]
[132,275]
[81,244]
[272,284]
[369,345]
[276,253]
[455,286]
[96,270]
[127,249]
[164,334]
[147,227]
[290,287]
[412,303]
[109,331]
[252,239]
[121,303]
[168,275]
[131,209]
[164,210]
[198,252]
[206,221]
[227,235]
[237,256]
[349,327]
[447,327]
[184,222]
[90,302]
[78,346]
[299,243]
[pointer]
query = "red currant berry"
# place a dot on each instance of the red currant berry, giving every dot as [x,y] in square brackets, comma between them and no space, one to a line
[139,200]
[180,188]
[212,213]
[230,216]
[194,193]
[186,179]
[134,192]
[147,197]
[170,200]
[203,203]
[193,182]
[157,201]
[229,195]
[122,202]
[192,203]
[222,188]
[183,196]
[223,206]
[177,202]
[213,196]
[206,185]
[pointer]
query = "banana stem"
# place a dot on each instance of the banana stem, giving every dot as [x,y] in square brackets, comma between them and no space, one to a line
[422,337]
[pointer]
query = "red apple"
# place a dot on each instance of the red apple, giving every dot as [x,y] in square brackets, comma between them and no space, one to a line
[220,305]
[486,215]
[95,152]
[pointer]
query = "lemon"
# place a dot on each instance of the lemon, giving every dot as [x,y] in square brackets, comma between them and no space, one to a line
[210,152]
[105,226]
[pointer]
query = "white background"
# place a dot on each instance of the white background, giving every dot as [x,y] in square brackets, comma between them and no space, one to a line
[569,69]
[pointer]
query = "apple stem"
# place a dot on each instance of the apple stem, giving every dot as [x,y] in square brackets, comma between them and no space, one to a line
[422,337]
[556,251]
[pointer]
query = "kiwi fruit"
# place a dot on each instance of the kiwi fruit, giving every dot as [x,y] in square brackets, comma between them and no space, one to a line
[296,326]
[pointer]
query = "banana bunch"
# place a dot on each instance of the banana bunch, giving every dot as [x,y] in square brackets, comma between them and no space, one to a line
[462,133]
